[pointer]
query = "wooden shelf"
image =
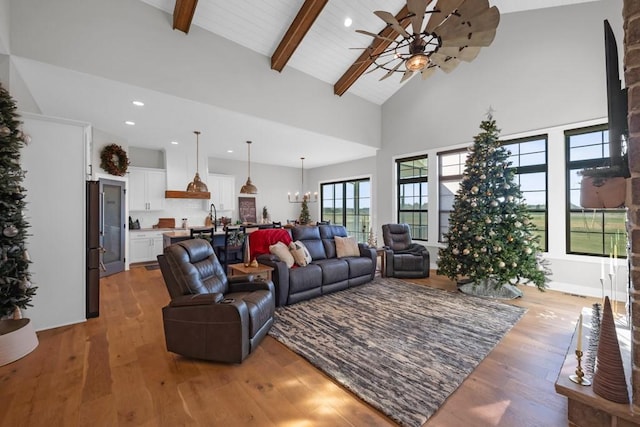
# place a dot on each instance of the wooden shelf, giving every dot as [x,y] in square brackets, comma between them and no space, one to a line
[171,194]
[585,408]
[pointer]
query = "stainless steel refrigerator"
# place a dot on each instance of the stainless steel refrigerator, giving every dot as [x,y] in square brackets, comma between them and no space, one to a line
[106,228]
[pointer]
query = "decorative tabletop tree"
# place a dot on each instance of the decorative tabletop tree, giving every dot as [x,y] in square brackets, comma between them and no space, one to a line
[304,218]
[491,239]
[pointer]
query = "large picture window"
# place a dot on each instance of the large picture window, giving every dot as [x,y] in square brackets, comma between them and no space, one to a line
[451,165]
[348,203]
[413,195]
[590,231]
[529,162]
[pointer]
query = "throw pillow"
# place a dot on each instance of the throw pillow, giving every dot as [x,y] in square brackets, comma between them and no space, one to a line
[300,253]
[346,246]
[282,251]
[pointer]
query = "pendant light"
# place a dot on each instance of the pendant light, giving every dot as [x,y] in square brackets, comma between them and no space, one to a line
[197,186]
[248,187]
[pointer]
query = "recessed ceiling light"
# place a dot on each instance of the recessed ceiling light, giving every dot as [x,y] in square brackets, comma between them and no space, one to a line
[229,151]
[174,142]
[130,123]
[138,103]
[347,22]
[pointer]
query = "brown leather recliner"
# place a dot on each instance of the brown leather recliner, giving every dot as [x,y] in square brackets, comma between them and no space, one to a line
[403,258]
[211,316]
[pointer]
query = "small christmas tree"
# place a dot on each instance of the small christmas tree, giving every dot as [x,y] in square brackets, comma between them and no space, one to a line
[304,218]
[491,236]
[15,286]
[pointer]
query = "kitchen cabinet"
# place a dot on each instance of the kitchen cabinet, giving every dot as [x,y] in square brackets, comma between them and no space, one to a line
[223,191]
[144,246]
[146,189]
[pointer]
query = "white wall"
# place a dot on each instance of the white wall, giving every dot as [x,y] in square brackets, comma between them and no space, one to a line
[55,183]
[4,27]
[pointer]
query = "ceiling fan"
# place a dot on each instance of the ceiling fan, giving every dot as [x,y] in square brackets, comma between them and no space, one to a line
[455,31]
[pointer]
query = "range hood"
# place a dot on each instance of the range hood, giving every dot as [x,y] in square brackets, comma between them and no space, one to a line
[169,194]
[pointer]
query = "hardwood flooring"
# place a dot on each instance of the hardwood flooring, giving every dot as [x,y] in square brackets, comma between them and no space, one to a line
[115,370]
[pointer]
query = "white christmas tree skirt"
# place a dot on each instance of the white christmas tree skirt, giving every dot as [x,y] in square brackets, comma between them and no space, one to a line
[488,290]
[17,339]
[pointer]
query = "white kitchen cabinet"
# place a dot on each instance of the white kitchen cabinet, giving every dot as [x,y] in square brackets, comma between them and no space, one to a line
[144,246]
[146,189]
[223,191]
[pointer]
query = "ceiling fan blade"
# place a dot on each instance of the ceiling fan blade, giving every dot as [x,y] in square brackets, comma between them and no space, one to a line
[374,35]
[391,20]
[392,71]
[483,38]
[450,65]
[470,8]
[383,65]
[456,26]
[428,72]
[442,10]
[406,75]
[447,64]
[417,8]
[463,53]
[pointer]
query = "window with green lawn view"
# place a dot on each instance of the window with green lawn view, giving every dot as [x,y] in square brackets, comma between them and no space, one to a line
[598,232]
[413,194]
[348,203]
[528,159]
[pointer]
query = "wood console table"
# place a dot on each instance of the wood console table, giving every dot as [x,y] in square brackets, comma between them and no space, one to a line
[260,272]
[585,408]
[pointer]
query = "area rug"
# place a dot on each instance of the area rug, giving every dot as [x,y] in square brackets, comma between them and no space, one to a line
[400,347]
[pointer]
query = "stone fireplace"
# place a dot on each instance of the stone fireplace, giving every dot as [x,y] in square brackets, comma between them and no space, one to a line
[631,19]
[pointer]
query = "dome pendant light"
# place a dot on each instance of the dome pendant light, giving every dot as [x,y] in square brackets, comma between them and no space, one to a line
[248,187]
[197,186]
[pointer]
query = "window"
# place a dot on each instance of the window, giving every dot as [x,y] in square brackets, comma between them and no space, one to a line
[590,231]
[529,160]
[348,203]
[413,196]
[451,164]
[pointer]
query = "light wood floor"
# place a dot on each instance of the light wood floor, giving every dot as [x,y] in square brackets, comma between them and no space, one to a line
[115,370]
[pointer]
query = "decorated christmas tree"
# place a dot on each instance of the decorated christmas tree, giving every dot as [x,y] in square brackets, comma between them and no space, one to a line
[304,212]
[15,286]
[491,238]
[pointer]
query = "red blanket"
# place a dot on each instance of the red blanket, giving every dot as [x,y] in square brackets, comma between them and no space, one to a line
[260,240]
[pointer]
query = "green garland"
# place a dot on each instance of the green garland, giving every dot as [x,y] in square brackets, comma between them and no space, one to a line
[114,160]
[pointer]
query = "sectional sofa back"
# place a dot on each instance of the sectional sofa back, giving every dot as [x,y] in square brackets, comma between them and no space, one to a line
[319,240]
[327,234]
[310,237]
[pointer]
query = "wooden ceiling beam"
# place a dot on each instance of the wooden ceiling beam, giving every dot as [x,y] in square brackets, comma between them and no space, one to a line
[303,21]
[183,14]
[364,60]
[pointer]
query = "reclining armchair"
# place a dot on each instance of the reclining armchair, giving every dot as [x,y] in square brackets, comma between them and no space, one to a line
[403,258]
[211,316]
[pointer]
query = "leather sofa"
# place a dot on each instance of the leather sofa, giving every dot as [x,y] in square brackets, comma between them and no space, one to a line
[211,316]
[326,272]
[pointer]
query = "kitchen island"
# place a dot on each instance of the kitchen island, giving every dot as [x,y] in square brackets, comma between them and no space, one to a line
[175,236]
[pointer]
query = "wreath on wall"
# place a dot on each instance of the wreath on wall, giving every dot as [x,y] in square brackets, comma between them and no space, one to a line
[114,160]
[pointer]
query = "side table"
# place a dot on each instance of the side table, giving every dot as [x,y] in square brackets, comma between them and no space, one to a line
[260,272]
[380,252]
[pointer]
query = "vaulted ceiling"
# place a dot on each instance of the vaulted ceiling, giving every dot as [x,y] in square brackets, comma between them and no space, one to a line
[310,35]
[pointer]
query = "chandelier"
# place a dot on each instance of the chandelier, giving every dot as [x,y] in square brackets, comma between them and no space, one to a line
[455,31]
[306,197]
